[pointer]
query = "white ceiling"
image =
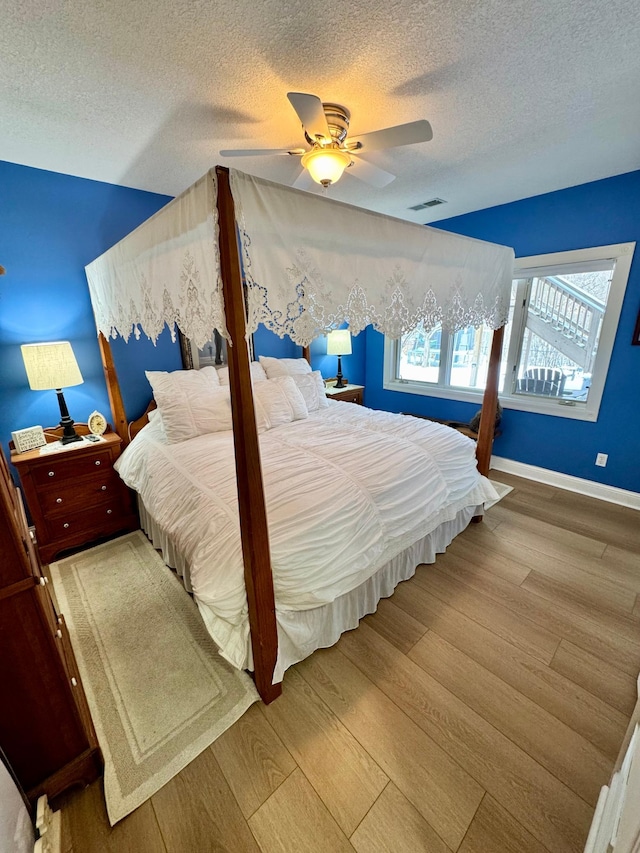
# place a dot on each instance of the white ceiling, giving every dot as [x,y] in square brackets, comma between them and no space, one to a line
[524,96]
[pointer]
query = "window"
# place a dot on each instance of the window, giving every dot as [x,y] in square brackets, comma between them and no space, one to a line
[557,345]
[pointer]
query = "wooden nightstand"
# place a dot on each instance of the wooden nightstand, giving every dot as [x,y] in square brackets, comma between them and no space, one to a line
[74,495]
[350,393]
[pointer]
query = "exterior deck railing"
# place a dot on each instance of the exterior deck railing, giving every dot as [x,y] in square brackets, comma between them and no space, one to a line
[566,318]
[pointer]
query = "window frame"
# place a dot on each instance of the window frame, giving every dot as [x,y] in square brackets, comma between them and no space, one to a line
[622,254]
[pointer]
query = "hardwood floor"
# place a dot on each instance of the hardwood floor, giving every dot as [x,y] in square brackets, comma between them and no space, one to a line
[479,710]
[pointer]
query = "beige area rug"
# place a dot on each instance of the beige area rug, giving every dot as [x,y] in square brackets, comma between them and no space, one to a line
[158,690]
[502,489]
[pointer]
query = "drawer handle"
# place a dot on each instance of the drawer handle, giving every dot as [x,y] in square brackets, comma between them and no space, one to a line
[58,500]
[74,682]
[109,511]
[59,634]
[52,473]
[42,581]
[66,525]
[98,462]
[103,488]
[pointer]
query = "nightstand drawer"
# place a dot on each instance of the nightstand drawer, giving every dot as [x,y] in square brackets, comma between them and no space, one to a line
[350,397]
[64,467]
[82,494]
[102,518]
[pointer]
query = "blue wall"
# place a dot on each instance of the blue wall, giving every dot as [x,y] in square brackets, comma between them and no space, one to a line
[51,225]
[595,214]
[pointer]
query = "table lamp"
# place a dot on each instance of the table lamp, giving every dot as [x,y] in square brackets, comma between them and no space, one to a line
[54,366]
[339,343]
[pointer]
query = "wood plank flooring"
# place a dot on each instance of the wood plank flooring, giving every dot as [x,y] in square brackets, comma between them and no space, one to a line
[479,710]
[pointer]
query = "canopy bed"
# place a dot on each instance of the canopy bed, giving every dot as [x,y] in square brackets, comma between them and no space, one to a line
[235,251]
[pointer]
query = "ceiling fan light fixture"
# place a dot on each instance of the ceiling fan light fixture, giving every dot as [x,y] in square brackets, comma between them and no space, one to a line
[326,165]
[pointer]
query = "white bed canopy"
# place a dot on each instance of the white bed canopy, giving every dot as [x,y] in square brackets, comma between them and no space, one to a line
[310,263]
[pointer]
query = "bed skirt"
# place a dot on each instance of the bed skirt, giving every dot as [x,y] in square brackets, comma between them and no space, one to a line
[301,632]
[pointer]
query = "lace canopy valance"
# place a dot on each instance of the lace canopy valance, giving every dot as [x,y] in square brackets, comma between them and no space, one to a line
[167,271]
[310,263]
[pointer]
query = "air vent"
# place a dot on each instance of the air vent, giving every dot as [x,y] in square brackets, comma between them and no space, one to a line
[433,202]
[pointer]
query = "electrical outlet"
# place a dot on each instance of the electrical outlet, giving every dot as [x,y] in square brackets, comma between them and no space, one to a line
[601,460]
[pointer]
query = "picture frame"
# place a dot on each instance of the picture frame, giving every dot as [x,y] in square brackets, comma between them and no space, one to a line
[213,353]
[635,341]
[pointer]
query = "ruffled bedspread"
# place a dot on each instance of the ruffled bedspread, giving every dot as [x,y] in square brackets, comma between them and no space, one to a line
[347,489]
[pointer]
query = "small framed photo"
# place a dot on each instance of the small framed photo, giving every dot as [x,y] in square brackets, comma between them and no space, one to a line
[636,332]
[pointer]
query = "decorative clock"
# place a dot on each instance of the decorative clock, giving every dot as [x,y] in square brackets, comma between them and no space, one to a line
[97,423]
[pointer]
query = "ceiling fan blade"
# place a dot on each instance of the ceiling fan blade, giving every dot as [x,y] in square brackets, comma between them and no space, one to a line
[258,152]
[311,114]
[370,174]
[391,137]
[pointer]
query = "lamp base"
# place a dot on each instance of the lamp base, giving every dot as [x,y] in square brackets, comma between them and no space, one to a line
[67,439]
[339,376]
[68,432]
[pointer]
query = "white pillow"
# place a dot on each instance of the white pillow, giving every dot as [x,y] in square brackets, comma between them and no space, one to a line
[195,380]
[257,373]
[311,386]
[284,366]
[190,402]
[156,419]
[279,401]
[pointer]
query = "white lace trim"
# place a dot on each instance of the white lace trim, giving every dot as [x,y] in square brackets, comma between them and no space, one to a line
[310,312]
[166,272]
[306,248]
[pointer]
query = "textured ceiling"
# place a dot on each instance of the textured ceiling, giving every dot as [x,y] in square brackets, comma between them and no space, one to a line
[524,96]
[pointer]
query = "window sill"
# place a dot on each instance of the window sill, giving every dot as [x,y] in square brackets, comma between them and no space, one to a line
[554,408]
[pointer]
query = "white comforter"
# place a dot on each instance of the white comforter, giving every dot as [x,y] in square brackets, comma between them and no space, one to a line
[347,490]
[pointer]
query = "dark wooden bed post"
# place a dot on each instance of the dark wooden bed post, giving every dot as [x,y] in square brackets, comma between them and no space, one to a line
[489,405]
[253,516]
[306,353]
[120,423]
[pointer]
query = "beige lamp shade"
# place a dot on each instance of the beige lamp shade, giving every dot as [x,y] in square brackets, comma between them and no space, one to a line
[51,365]
[339,342]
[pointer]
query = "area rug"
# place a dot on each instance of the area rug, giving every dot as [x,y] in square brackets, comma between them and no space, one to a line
[158,690]
[502,489]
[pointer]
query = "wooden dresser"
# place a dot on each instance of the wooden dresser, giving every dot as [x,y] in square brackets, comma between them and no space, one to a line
[74,495]
[45,726]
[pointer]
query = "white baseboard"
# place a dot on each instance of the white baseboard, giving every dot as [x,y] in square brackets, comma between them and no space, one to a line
[566,481]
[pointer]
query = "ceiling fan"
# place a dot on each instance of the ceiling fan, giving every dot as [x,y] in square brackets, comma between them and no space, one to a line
[326,128]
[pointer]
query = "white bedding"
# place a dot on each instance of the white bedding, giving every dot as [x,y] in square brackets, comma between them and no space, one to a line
[347,490]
